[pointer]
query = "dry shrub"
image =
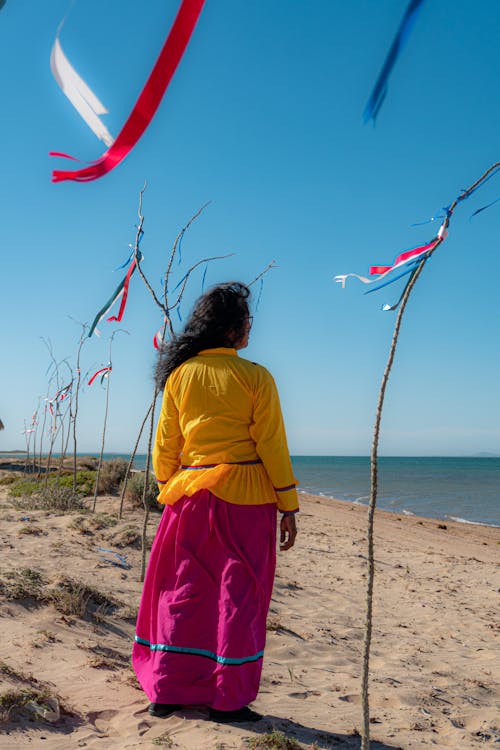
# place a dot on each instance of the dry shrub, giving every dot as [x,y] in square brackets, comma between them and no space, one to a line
[71,597]
[104,657]
[135,490]
[25,583]
[90,523]
[50,498]
[87,462]
[8,479]
[33,530]
[129,536]
[273,741]
[112,475]
[12,701]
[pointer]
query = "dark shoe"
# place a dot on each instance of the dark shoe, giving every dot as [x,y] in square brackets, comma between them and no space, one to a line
[237,717]
[163,709]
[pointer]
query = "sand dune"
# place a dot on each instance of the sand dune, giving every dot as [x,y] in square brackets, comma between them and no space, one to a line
[435,647]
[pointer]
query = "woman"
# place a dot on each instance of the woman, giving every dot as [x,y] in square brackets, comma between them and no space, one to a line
[222,464]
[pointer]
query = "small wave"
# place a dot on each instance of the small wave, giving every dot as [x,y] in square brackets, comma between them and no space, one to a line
[407,513]
[472,523]
[361,500]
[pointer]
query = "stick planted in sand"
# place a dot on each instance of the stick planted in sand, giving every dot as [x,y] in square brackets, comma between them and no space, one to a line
[365,741]
[99,465]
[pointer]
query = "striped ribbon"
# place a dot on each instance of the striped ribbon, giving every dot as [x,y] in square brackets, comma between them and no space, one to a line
[121,289]
[104,372]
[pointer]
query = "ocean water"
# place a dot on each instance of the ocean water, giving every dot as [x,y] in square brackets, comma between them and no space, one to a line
[464,489]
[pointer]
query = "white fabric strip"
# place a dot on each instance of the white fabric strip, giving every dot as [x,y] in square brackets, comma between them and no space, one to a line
[80,95]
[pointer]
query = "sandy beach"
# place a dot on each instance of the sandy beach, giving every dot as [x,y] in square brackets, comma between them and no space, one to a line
[434,669]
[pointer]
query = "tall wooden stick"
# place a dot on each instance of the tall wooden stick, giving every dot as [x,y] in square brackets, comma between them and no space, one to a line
[131,461]
[365,741]
[99,465]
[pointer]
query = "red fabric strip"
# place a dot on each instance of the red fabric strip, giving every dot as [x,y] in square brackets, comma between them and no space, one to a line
[149,98]
[125,293]
[104,369]
[401,258]
[63,156]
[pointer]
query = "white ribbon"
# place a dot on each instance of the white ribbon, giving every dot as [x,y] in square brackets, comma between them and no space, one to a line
[80,95]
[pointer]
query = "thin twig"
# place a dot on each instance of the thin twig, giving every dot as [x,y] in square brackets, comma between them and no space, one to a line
[269,266]
[131,461]
[190,271]
[179,238]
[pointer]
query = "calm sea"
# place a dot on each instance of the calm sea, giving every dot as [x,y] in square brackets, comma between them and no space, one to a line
[466,489]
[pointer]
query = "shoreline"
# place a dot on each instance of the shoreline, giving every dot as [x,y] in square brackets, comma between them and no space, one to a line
[405,513]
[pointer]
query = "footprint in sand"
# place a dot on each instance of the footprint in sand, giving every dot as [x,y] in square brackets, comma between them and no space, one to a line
[101,719]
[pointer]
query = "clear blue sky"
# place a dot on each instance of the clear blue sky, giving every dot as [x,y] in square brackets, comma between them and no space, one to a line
[264,118]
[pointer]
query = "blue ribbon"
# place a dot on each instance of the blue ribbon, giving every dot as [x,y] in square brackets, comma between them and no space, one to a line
[483,208]
[409,269]
[179,249]
[380,89]
[118,268]
[260,294]
[390,308]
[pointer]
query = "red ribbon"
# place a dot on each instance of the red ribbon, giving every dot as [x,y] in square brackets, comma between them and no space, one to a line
[125,292]
[402,258]
[103,370]
[149,98]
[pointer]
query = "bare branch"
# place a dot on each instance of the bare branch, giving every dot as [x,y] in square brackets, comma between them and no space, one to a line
[178,239]
[269,266]
[190,271]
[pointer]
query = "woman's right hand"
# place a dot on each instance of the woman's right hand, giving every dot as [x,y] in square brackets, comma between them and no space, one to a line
[288,532]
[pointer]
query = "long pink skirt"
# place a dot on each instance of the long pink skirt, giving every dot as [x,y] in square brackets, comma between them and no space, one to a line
[201,627]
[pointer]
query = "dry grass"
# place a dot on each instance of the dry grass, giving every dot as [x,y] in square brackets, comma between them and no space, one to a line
[163,740]
[13,701]
[107,658]
[135,490]
[33,530]
[32,697]
[131,680]
[13,674]
[25,583]
[45,638]
[112,475]
[273,741]
[72,597]
[8,479]
[51,498]
[89,524]
[128,536]
[69,596]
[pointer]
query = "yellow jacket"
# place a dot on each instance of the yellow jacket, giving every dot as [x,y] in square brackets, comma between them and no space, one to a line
[221,429]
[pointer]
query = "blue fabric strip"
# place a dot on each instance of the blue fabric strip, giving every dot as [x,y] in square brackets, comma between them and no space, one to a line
[483,208]
[199,652]
[380,89]
[409,268]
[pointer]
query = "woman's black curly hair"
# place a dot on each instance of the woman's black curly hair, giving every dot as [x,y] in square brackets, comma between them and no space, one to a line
[218,319]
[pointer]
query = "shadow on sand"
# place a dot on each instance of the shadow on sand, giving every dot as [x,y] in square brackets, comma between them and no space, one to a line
[316,737]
